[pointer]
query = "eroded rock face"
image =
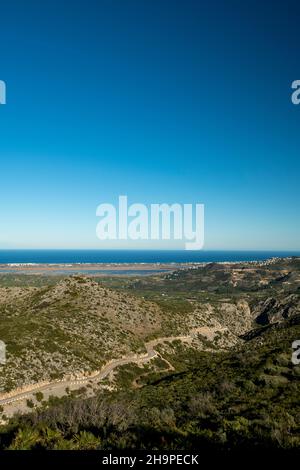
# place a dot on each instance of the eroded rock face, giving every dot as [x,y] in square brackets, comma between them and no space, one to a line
[274,310]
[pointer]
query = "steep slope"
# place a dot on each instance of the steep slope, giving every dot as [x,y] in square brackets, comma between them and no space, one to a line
[274,309]
[73,327]
[246,399]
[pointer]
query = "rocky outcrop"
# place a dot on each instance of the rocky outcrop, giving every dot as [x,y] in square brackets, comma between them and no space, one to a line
[274,310]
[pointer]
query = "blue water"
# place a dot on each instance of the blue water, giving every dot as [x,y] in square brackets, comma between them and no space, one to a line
[134,256]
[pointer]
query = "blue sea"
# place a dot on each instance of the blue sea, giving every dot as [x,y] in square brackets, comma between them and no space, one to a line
[134,256]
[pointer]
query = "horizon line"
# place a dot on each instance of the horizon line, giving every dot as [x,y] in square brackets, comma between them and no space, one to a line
[289,250]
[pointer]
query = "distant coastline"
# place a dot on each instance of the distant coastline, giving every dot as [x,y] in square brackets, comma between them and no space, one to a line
[71,257]
[103,263]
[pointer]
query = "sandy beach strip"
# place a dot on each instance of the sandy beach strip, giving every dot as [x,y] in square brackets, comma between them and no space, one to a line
[97,268]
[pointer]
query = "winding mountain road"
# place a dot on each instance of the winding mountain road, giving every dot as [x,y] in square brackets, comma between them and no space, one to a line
[58,387]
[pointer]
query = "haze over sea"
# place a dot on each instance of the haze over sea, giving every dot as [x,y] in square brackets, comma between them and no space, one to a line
[135,256]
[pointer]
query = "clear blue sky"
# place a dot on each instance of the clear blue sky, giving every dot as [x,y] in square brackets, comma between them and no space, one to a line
[165,101]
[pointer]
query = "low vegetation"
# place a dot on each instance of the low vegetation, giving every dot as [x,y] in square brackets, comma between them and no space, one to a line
[232,386]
